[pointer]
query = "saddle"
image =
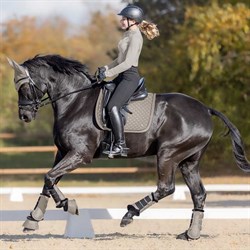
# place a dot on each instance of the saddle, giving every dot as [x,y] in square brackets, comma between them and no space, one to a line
[141,104]
[108,88]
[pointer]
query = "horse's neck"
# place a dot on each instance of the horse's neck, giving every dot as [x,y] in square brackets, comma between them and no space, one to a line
[75,106]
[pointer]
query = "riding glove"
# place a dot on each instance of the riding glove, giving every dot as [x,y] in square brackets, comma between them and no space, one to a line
[100,74]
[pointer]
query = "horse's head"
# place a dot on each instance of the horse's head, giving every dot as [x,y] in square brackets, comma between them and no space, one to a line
[29,94]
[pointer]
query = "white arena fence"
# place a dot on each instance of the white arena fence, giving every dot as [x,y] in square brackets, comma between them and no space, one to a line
[16,193]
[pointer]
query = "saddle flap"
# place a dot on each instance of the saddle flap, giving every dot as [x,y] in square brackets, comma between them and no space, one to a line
[138,122]
[108,89]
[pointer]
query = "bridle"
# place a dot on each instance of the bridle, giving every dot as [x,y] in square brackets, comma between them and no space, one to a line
[35,103]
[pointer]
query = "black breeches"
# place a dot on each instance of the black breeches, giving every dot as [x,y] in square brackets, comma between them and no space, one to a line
[126,84]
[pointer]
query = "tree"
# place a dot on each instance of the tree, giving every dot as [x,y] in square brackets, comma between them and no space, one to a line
[202,51]
[215,42]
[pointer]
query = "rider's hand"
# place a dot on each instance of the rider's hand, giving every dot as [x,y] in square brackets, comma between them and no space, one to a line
[100,74]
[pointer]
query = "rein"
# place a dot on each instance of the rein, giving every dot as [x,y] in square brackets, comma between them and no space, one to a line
[36,103]
[44,101]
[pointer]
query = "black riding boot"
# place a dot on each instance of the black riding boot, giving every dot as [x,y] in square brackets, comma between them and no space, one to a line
[119,147]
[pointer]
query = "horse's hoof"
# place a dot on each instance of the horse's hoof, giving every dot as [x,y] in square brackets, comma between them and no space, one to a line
[30,225]
[72,207]
[28,230]
[183,236]
[125,221]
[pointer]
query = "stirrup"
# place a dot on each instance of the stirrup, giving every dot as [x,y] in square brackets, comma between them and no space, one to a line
[116,150]
[105,146]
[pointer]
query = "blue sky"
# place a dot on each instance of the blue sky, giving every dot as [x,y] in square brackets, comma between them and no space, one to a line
[76,11]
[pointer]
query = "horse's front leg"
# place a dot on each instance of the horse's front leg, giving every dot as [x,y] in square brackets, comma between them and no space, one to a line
[69,162]
[39,210]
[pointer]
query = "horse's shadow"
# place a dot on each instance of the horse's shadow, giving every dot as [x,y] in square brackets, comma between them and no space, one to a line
[18,237]
[114,236]
[98,237]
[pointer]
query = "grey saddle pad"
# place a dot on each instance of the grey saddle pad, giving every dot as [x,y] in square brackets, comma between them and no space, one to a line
[139,121]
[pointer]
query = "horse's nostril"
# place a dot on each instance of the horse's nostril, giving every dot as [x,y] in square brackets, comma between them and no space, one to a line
[24,118]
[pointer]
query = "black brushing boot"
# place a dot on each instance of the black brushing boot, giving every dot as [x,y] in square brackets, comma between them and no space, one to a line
[119,148]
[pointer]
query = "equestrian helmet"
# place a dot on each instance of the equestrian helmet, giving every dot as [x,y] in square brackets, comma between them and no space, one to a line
[132,12]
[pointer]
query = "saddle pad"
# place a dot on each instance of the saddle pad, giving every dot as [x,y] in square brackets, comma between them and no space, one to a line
[139,121]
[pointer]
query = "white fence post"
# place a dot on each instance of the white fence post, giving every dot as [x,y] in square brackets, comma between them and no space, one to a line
[16,195]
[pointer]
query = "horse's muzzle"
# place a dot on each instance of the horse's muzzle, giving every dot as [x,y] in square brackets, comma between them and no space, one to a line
[26,115]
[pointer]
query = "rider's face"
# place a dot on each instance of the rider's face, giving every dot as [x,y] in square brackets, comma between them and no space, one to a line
[124,23]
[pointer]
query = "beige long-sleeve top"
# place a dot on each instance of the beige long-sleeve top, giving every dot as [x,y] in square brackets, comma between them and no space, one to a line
[129,50]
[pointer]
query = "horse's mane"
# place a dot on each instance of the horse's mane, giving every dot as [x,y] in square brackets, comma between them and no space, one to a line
[59,64]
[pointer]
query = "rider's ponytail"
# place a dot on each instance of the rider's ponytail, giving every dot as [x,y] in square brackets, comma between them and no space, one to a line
[149,29]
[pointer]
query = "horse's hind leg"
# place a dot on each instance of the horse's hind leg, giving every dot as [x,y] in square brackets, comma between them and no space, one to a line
[165,187]
[190,173]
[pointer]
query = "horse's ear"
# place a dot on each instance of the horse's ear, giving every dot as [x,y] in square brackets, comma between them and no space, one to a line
[11,62]
[17,67]
[20,73]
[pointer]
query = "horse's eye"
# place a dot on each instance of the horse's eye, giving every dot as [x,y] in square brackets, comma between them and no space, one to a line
[25,91]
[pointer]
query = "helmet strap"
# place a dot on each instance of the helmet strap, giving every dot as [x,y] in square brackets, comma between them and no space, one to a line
[129,25]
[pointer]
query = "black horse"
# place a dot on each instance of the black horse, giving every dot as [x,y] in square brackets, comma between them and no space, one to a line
[180,132]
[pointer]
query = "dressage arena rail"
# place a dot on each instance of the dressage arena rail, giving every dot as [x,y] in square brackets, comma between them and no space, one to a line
[16,193]
[96,170]
[28,149]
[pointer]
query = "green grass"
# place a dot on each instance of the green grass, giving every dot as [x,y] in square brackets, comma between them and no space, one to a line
[45,160]
[26,160]
[77,183]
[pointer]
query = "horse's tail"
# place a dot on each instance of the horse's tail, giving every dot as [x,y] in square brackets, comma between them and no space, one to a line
[238,147]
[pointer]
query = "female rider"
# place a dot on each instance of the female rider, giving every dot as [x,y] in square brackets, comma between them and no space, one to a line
[125,66]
